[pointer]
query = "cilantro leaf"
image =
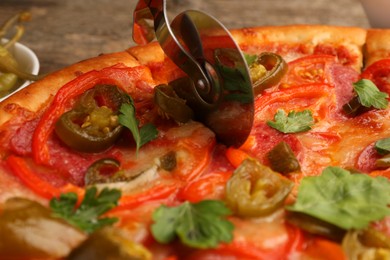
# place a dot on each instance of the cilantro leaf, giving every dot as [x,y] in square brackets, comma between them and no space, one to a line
[147,133]
[250,58]
[294,122]
[370,95]
[349,201]
[382,146]
[199,225]
[141,135]
[87,215]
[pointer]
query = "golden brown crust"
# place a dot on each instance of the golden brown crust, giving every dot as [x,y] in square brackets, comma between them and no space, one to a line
[309,37]
[377,45]
[145,54]
[37,94]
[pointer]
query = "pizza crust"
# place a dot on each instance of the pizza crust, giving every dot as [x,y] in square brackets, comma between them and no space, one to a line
[377,45]
[307,36]
[36,95]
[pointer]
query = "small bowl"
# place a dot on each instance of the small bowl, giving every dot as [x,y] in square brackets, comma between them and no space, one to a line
[28,62]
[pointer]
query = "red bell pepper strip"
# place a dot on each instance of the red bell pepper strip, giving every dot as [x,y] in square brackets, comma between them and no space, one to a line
[115,75]
[204,187]
[158,192]
[322,249]
[21,169]
[236,156]
[289,94]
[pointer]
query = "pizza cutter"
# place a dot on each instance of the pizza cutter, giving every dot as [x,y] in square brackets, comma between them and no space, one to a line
[217,86]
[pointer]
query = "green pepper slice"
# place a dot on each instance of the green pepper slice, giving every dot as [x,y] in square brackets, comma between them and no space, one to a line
[255,190]
[7,82]
[92,126]
[8,63]
[170,105]
[267,71]
[102,171]
[383,162]
[282,159]
[315,226]
[354,107]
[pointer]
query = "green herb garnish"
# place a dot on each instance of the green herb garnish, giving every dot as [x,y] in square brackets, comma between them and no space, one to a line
[382,146]
[349,201]
[294,122]
[369,94]
[141,135]
[199,225]
[87,216]
[250,58]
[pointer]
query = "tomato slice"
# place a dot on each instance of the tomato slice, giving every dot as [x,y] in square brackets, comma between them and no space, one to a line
[308,70]
[379,73]
[322,69]
[211,186]
[316,97]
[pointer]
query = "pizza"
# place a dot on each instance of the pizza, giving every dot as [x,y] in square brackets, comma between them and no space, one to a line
[102,160]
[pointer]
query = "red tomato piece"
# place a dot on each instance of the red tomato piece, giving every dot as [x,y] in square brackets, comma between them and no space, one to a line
[316,97]
[379,73]
[211,186]
[308,70]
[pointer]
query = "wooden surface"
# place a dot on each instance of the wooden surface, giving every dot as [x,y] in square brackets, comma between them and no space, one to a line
[63,32]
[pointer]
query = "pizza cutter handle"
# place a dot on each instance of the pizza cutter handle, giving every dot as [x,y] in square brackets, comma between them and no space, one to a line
[150,20]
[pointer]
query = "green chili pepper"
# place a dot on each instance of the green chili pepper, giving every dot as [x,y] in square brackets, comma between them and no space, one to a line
[92,126]
[255,190]
[266,71]
[383,162]
[171,105]
[282,159]
[315,226]
[14,20]
[354,107]
[102,171]
[9,64]
[7,82]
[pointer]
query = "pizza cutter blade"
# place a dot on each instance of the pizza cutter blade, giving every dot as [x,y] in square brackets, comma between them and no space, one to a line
[218,86]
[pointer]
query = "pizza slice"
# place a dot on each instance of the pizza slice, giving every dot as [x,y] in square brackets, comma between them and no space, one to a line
[92,140]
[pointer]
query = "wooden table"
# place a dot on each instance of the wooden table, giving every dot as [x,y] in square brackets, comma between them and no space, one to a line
[63,32]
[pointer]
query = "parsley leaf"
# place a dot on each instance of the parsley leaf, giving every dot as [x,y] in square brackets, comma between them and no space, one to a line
[294,122]
[349,201]
[87,215]
[370,95]
[382,146]
[141,135]
[250,58]
[199,225]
